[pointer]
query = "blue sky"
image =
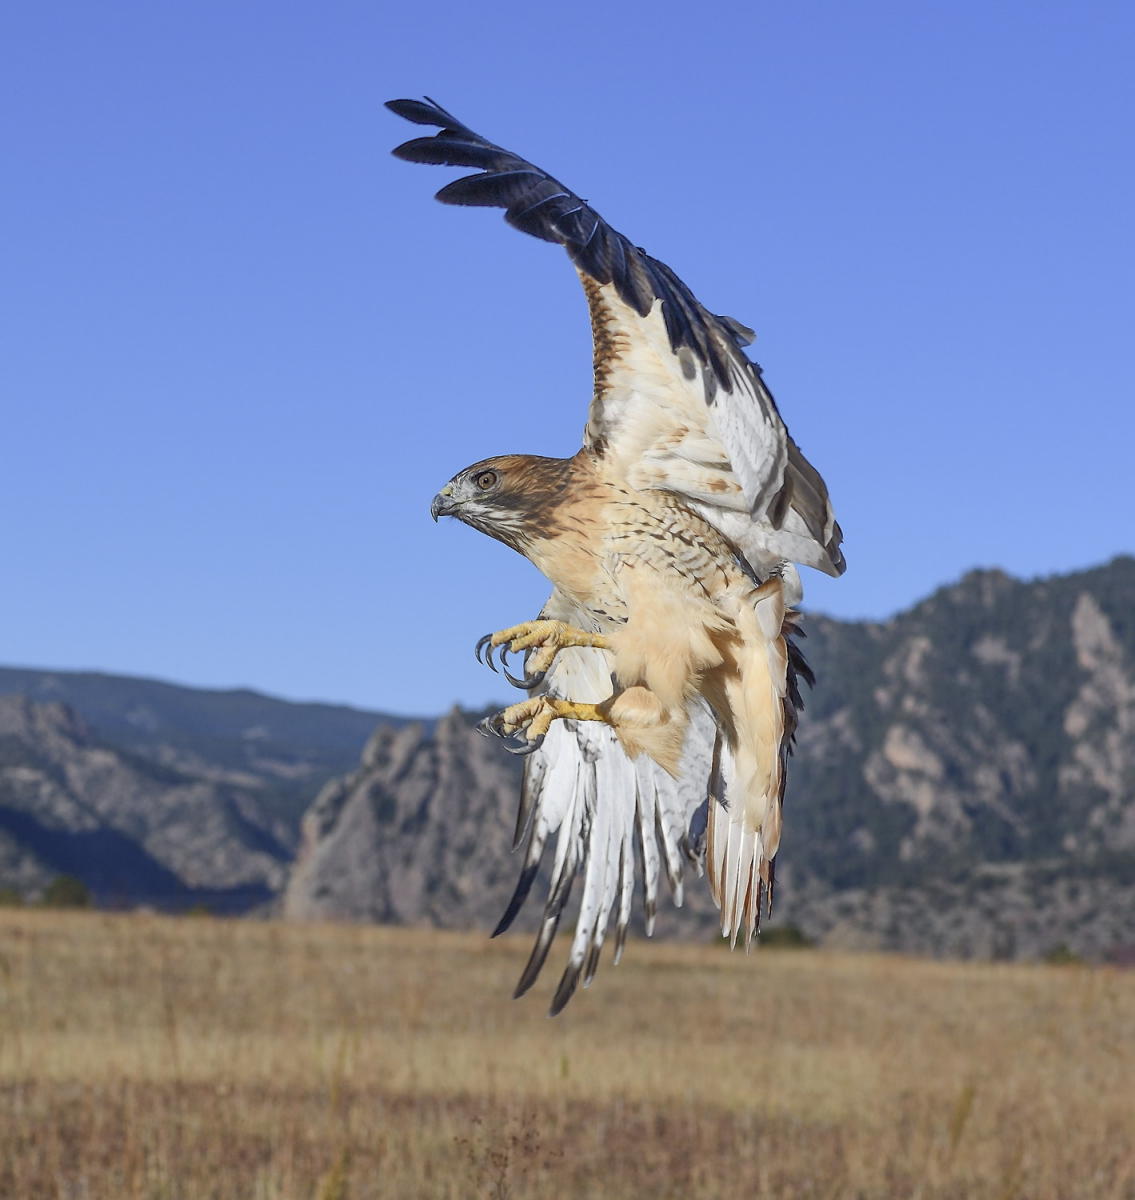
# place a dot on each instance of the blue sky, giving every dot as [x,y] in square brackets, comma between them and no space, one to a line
[241,346]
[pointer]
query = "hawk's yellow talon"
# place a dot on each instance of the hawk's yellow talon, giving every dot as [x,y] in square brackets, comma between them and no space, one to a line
[533,718]
[545,639]
[546,634]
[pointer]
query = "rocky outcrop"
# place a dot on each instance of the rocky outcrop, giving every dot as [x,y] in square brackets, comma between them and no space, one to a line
[964,784]
[282,750]
[420,833]
[131,829]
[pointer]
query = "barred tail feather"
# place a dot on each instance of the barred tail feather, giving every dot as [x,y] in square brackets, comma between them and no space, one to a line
[743,832]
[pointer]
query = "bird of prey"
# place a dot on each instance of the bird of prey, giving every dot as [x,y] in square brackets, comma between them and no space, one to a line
[663,671]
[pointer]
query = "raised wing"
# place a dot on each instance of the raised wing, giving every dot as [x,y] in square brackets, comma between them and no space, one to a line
[579,762]
[678,405]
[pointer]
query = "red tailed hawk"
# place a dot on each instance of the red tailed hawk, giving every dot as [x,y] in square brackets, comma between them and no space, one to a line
[662,672]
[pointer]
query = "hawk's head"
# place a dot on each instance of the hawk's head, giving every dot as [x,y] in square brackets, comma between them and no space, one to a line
[511,498]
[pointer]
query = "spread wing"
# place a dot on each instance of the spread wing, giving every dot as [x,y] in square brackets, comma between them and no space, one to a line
[678,405]
[579,762]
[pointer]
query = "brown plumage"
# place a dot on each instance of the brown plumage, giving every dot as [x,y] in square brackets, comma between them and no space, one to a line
[663,673]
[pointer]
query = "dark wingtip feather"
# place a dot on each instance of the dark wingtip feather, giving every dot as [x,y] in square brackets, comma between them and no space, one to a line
[538,956]
[442,150]
[412,110]
[486,191]
[424,112]
[546,209]
[620,943]
[741,332]
[797,662]
[592,964]
[532,967]
[523,887]
[557,902]
[527,805]
[839,563]
[569,981]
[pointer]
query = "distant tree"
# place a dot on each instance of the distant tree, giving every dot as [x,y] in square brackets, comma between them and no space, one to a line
[65,891]
[785,937]
[10,898]
[1062,956]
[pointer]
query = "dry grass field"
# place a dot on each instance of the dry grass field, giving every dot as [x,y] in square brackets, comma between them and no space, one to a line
[172,1059]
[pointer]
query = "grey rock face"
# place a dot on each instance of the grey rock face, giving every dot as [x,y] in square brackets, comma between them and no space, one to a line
[964,784]
[282,750]
[132,830]
[421,833]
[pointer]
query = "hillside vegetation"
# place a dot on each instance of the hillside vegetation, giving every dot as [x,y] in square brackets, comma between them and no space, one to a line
[147,1057]
[284,749]
[964,786]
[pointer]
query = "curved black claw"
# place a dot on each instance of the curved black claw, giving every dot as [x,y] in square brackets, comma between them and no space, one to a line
[487,640]
[521,746]
[525,682]
[514,743]
[516,683]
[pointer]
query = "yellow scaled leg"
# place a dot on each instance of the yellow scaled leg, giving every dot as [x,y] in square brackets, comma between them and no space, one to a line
[543,639]
[525,724]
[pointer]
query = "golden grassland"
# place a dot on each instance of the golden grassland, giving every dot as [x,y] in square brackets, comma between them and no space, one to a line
[172,1059]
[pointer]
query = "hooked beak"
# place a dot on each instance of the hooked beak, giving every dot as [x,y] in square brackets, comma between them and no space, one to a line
[443,503]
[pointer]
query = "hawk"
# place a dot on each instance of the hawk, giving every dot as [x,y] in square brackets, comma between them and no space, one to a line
[663,671]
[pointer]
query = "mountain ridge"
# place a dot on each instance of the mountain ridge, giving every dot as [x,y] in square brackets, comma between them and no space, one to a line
[964,783]
[247,736]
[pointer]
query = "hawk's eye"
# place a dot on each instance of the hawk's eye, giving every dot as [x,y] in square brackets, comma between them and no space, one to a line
[486,480]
